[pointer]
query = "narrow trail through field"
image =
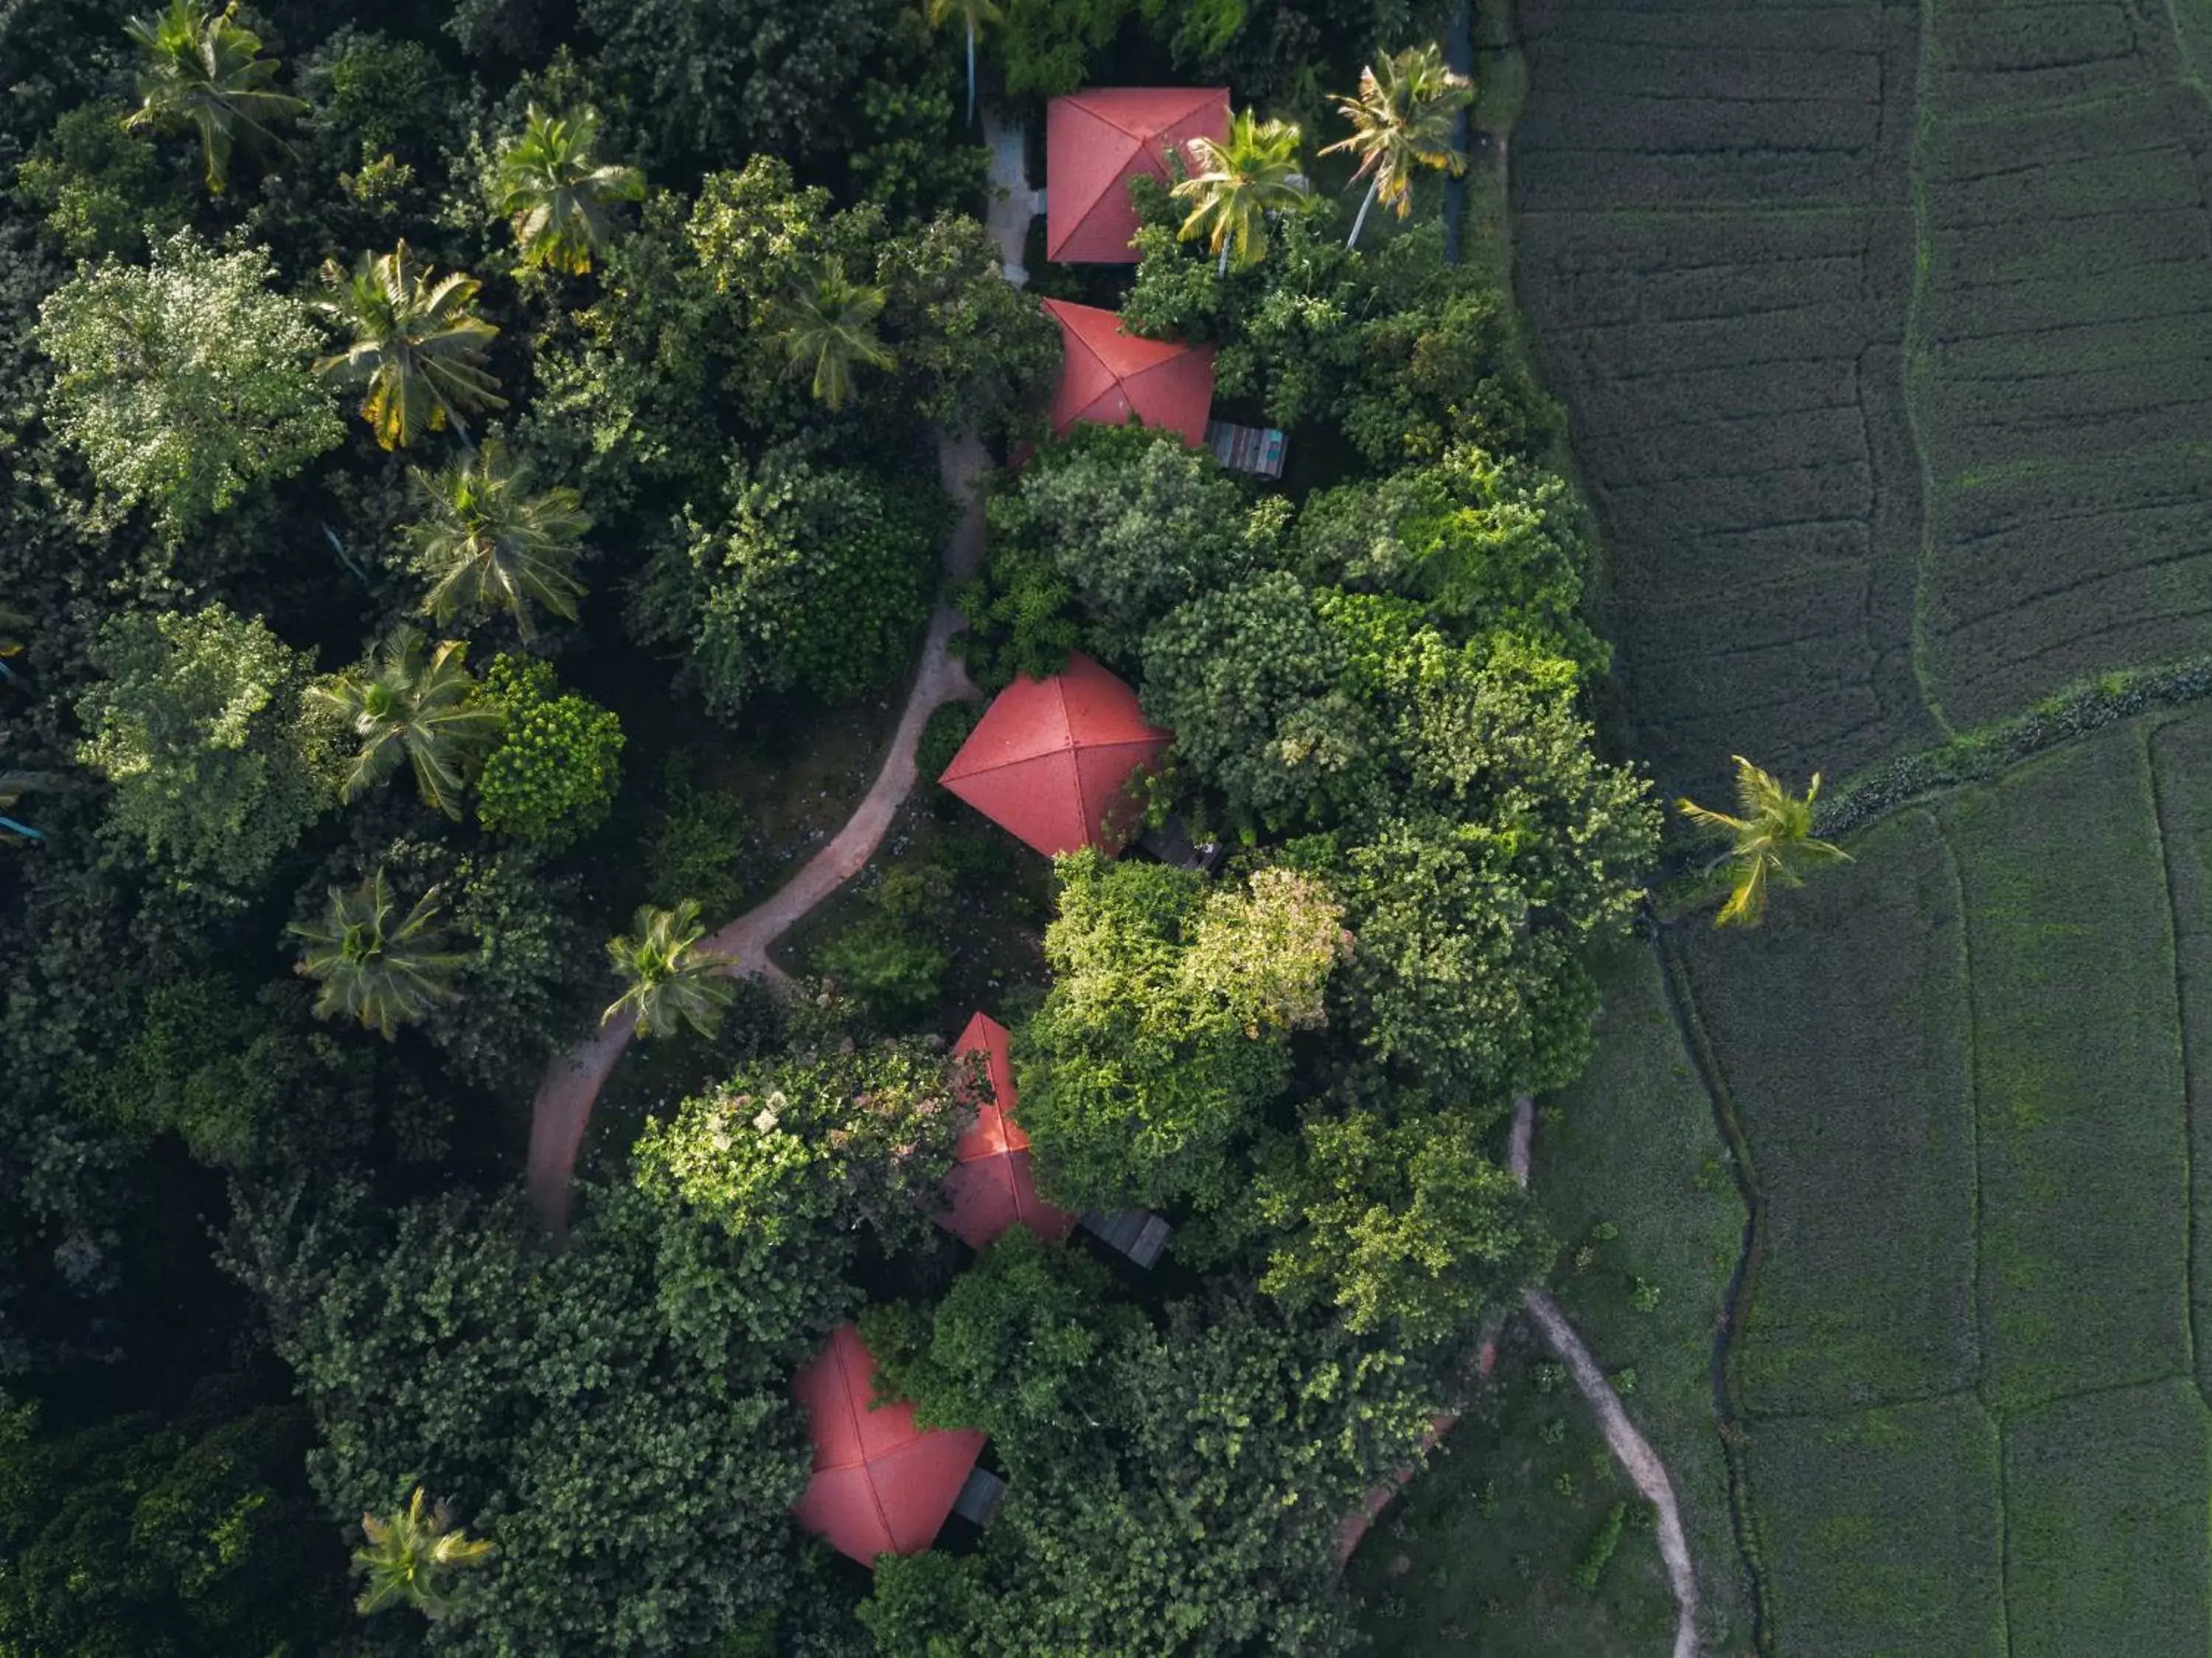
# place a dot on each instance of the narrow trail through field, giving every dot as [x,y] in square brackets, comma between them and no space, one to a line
[1622,1438]
[563,1108]
[1629,1446]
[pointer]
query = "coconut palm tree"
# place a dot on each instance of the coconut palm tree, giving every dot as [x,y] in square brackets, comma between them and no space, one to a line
[1772,838]
[1403,118]
[409,1555]
[828,325]
[976,15]
[555,195]
[384,975]
[416,345]
[488,544]
[405,705]
[204,71]
[667,979]
[1233,187]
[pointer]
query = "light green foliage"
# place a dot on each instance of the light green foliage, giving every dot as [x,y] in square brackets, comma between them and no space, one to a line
[555,193]
[406,706]
[490,545]
[185,382]
[416,346]
[1163,1033]
[1012,1349]
[1403,1227]
[1438,375]
[197,725]
[553,775]
[202,69]
[613,1416]
[97,185]
[789,1146]
[1236,187]
[668,981]
[1771,842]
[1198,1514]
[819,578]
[411,1558]
[374,965]
[141,1534]
[1486,544]
[1405,118]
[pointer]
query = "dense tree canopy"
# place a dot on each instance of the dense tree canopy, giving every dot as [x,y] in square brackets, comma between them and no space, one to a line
[185,381]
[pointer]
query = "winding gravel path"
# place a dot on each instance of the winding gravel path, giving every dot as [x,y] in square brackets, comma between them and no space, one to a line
[563,1108]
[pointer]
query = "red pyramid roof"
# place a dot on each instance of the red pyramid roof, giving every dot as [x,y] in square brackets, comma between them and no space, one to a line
[1106,375]
[880,1484]
[992,1184]
[1051,759]
[1096,141]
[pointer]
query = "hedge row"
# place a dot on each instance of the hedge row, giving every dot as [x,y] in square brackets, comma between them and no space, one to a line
[1853,1093]
[1977,756]
[2079,1089]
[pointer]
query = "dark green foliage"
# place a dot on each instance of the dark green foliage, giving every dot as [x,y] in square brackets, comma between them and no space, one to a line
[1096,538]
[375,95]
[1046,44]
[527,983]
[1013,1349]
[974,354]
[696,844]
[1427,379]
[893,960]
[716,79]
[99,186]
[245,1080]
[554,773]
[1198,1514]
[186,1537]
[443,1347]
[817,578]
[950,725]
[919,164]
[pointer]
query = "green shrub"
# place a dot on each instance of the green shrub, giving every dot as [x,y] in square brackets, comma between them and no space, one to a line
[696,844]
[558,766]
[1596,1557]
[894,959]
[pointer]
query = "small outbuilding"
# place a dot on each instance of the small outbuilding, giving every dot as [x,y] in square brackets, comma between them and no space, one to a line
[1096,141]
[880,1485]
[1106,375]
[992,1186]
[1051,760]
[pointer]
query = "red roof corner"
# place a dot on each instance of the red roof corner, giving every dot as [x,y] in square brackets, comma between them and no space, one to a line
[1051,760]
[880,1484]
[992,1184]
[1106,375]
[1096,141]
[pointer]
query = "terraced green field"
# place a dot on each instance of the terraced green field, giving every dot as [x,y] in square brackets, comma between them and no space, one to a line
[1886,330]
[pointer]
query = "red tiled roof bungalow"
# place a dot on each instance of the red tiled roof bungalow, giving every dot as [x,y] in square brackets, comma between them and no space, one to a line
[1096,141]
[880,1484]
[1051,760]
[991,1186]
[1106,375]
